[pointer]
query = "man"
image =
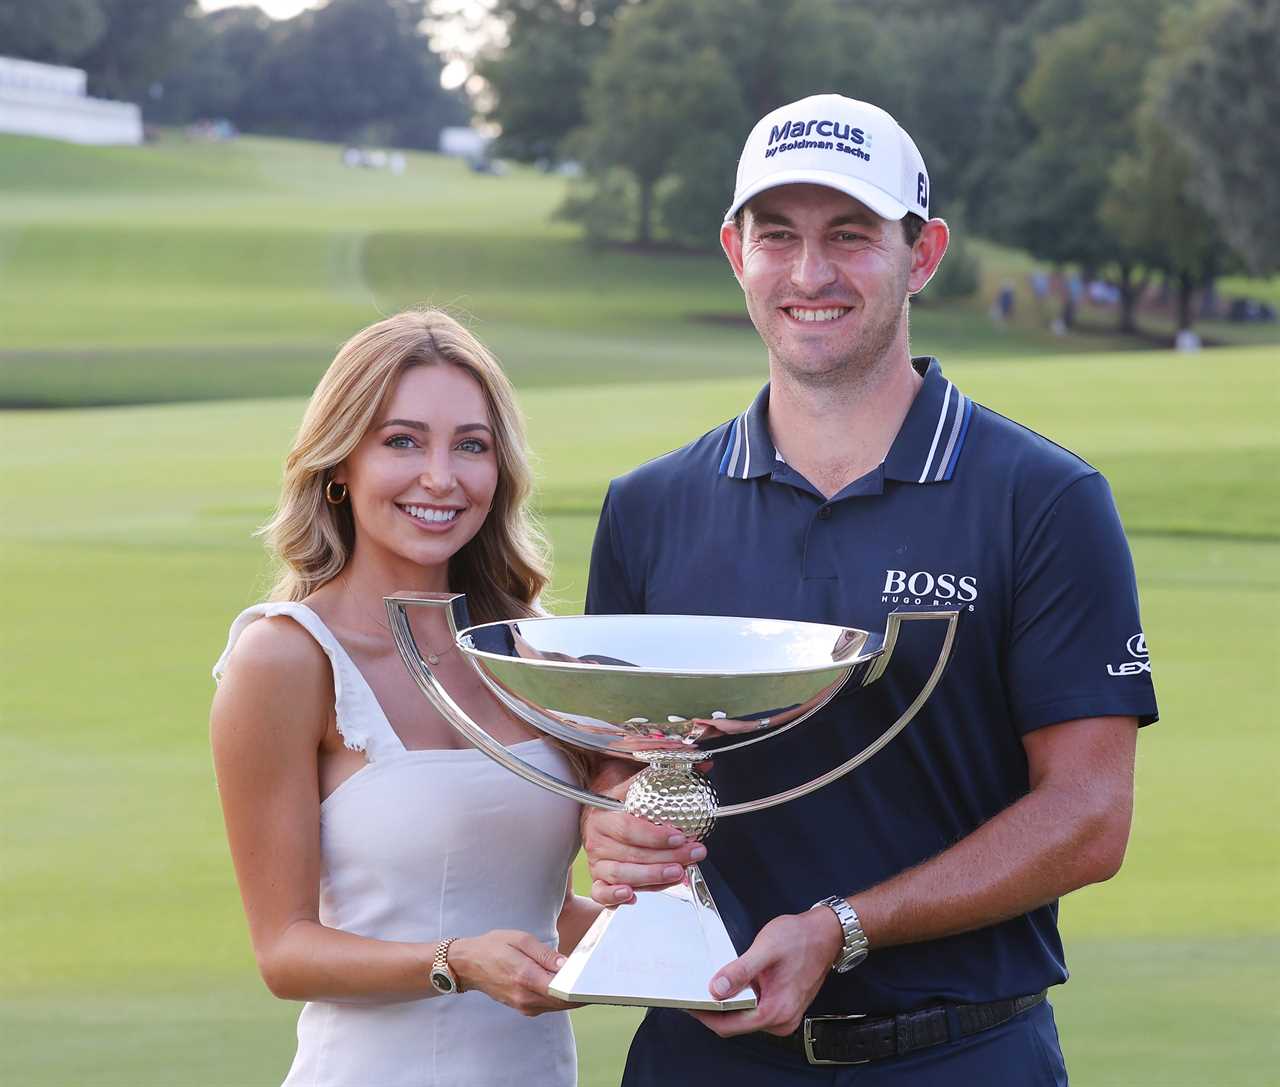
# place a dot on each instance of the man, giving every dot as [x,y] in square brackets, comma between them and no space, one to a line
[861,480]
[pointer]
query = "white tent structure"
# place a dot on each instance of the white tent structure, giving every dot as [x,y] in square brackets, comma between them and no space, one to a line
[47,100]
[464,143]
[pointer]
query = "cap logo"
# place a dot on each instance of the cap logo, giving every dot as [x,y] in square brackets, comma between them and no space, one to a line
[837,142]
[794,136]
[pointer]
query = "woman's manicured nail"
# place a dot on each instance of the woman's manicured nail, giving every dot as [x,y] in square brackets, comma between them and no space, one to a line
[698,852]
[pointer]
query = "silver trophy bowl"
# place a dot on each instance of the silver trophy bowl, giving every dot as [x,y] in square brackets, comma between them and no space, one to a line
[669,691]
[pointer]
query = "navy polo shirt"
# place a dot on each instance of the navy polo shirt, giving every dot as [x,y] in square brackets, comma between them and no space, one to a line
[968,510]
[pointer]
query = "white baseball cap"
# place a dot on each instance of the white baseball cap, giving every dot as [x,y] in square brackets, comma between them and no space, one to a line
[838,142]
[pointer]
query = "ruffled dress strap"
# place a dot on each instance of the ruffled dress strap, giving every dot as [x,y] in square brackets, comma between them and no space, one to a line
[361,723]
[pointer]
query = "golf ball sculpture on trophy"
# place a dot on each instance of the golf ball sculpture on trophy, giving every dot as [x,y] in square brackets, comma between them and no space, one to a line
[670,691]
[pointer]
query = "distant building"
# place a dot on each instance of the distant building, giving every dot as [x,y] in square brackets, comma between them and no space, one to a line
[48,100]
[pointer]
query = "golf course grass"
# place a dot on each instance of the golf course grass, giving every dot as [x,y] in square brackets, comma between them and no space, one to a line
[204,288]
[226,271]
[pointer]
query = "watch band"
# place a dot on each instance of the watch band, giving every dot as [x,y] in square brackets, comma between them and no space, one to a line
[856,945]
[443,979]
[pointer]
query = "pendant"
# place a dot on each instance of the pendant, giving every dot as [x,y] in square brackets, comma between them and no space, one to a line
[432,659]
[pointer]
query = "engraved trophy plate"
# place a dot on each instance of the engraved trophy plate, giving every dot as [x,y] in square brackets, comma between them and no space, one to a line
[670,691]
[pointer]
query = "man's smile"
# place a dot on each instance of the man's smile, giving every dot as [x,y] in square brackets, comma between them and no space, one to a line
[810,315]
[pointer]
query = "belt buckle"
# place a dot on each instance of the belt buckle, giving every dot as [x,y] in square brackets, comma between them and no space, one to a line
[808,1037]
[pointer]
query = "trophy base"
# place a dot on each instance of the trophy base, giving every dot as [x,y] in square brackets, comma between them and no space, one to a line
[659,952]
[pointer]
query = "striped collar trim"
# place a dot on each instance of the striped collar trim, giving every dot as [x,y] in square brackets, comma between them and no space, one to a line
[928,446]
[749,451]
[926,449]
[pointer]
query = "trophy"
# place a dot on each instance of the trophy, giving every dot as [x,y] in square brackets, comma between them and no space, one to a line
[670,692]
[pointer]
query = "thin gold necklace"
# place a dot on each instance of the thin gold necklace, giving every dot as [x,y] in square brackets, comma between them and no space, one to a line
[433,658]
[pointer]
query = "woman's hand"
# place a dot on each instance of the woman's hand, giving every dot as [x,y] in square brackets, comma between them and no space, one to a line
[626,852]
[509,966]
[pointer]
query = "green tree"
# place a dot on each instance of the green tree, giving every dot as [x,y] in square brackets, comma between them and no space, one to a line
[778,50]
[658,91]
[1151,206]
[358,70]
[1003,130]
[53,31]
[539,79]
[950,74]
[215,60]
[1081,95]
[935,84]
[672,98]
[1221,103]
[1150,211]
[136,48]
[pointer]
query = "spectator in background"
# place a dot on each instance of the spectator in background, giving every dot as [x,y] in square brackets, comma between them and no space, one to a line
[1002,307]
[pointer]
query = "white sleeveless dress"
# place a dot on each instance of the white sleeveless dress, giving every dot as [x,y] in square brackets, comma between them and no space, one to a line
[419,846]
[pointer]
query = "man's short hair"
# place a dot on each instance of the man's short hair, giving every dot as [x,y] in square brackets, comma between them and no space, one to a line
[912,224]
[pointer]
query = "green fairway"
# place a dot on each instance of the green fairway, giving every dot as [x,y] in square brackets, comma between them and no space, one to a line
[127,541]
[182,271]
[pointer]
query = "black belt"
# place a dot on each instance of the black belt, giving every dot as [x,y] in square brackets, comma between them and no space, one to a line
[860,1039]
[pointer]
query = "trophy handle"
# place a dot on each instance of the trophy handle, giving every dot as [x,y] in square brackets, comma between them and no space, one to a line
[892,627]
[454,605]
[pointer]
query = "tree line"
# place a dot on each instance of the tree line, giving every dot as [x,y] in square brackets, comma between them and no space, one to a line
[359,71]
[1129,139]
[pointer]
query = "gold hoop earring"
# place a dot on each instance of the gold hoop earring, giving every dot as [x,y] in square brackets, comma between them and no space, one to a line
[335,493]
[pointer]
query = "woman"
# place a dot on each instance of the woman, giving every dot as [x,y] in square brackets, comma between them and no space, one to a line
[370,842]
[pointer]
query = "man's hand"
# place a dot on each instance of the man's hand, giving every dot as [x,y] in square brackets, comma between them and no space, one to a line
[627,853]
[786,966]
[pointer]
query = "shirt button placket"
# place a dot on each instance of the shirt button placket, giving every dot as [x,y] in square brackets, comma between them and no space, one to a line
[820,558]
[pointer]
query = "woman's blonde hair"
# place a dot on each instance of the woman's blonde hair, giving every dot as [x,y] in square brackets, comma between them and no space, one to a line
[503,568]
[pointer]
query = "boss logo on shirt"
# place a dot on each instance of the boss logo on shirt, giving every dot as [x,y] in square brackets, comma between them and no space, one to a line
[924,587]
[1137,647]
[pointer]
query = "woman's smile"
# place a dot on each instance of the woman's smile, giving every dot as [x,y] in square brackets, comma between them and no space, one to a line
[431,518]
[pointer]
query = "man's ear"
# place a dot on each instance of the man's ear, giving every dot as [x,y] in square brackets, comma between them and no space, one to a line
[927,254]
[731,243]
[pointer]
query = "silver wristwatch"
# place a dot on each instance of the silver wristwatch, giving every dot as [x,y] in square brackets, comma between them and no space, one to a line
[443,979]
[855,940]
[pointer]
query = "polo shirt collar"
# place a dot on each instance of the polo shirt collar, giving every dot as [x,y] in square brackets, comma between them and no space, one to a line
[750,452]
[929,441]
[926,449]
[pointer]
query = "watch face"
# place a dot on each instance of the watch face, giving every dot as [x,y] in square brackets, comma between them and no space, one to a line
[854,958]
[442,981]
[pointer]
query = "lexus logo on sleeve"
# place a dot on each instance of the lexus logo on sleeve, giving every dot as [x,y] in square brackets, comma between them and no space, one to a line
[1137,647]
